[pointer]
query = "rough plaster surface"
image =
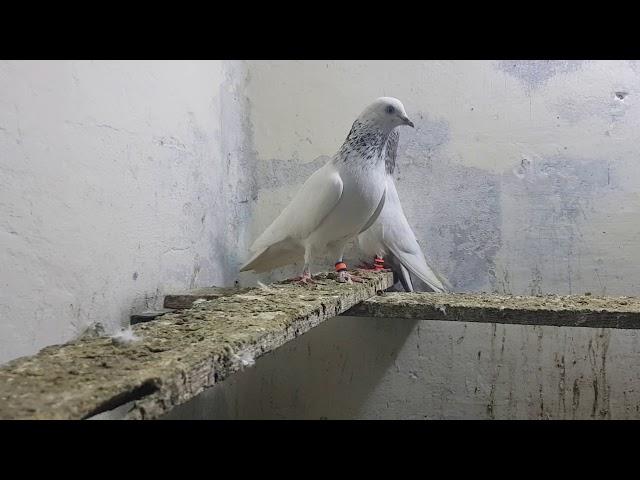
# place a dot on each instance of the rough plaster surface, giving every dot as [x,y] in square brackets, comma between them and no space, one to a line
[366,368]
[520,176]
[119,181]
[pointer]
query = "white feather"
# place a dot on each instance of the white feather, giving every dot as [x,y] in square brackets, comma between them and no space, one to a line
[244,359]
[125,337]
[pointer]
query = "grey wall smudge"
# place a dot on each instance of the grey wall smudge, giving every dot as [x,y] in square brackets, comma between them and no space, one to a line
[611,105]
[239,182]
[418,146]
[534,73]
[292,173]
[551,199]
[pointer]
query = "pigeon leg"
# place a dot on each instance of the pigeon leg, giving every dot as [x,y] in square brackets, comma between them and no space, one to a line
[337,251]
[305,278]
[344,276]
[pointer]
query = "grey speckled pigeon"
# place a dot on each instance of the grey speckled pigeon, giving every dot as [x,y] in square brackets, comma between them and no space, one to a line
[391,239]
[340,200]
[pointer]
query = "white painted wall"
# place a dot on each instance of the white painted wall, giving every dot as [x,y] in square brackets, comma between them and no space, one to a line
[521,176]
[119,181]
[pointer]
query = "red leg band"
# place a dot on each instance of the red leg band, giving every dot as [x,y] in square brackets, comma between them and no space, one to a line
[378,263]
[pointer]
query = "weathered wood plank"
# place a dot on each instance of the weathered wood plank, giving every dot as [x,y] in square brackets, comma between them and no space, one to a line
[177,356]
[149,315]
[182,300]
[553,310]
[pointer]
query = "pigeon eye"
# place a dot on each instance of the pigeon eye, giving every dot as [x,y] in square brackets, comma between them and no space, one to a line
[390,109]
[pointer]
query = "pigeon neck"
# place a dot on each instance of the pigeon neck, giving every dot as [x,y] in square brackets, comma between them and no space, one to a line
[391,152]
[366,140]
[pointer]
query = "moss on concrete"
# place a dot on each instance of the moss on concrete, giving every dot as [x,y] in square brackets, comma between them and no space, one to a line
[176,356]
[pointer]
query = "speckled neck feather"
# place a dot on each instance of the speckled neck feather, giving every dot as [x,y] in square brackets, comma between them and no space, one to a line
[391,151]
[365,141]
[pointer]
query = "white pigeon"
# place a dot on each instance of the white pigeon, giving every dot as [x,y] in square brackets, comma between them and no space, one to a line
[338,201]
[390,239]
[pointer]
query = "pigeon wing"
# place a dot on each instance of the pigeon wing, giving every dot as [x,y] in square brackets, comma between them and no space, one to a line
[317,197]
[376,214]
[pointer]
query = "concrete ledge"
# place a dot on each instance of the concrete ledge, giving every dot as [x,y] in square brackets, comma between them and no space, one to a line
[177,356]
[554,310]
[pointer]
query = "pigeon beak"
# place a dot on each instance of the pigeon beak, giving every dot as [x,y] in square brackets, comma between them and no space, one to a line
[408,122]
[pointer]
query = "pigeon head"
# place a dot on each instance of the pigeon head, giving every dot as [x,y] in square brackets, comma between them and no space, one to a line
[387,112]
